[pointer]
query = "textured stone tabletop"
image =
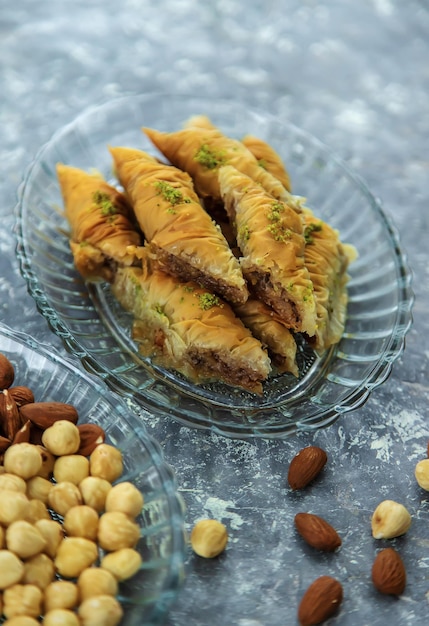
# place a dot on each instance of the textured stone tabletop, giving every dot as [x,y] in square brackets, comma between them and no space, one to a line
[356,75]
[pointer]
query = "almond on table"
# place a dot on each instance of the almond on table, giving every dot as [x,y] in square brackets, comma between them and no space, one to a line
[306,466]
[321,600]
[317,532]
[388,572]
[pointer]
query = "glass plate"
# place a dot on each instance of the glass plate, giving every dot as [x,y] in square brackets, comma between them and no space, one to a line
[95,328]
[148,595]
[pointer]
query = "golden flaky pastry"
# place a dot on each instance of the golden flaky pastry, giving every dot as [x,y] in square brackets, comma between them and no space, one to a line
[267,326]
[202,150]
[270,236]
[100,219]
[327,260]
[268,158]
[183,327]
[183,238]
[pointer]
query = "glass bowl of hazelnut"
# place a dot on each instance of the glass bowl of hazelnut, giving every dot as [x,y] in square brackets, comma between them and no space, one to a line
[93,525]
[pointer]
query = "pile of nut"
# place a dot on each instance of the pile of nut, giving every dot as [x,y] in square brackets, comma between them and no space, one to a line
[67,534]
[390,519]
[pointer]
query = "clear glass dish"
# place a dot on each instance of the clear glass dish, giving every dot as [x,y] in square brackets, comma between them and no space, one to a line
[147,596]
[95,329]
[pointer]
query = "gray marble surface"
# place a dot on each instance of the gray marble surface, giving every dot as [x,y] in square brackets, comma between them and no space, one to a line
[356,75]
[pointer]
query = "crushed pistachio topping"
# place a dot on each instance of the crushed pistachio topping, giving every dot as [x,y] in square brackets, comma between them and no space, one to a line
[137,286]
[170,193]
[310,229]
[159,309]
[207,301]
[244,233]
[308,294]
[209,158]
[188,288]
[262,163]
[104,202]
[279,231]
[277,208]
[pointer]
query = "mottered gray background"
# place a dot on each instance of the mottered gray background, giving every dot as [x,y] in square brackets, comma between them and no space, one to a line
[356,75]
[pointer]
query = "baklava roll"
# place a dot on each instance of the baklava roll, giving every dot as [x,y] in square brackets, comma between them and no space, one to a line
[103,234]
[183,238]
[183,327]
[270,235]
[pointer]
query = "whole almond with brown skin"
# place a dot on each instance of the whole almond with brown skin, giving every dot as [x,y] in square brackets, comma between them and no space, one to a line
[7,372]
[321,600]
[44,414]
[24,433]
[305,466]
[21,395]
[317,532]
[388,572]
[10,421]
[91,435]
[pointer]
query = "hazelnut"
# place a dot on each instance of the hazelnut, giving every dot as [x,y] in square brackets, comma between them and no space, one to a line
[81,521]
[38,488]
[390,519]
[95,581]
[94,491]
[75,554]
[48,461]
[60,617]
[116,531]
[22,459]
[122,563]
[421,473]
[100,611]
[14,506]
[21,620]
[125,497]
[72,468]
[61,594]
[63,496]
[36,510]
[209,538]
[11,569]
[22,600]
[39,571]
[61,438]
[12,482]
[52,532]
[24,539]
[106,462]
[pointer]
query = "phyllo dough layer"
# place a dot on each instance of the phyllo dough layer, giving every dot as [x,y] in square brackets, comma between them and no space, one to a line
[184,239]
[327,259]
[201,151]
[100,219]
[267,326]
[183,327]
[271,239]
[268,159]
